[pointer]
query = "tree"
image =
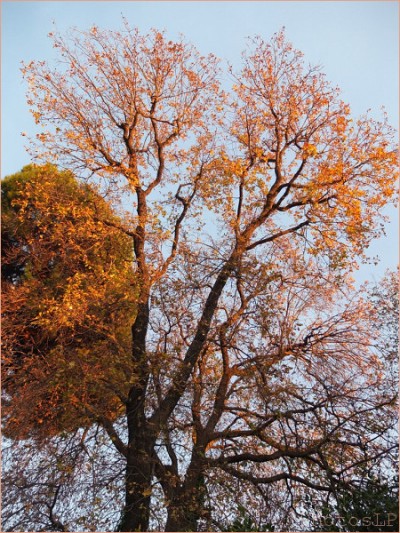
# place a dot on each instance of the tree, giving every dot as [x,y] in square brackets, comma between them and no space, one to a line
[372,506]
[244,347]
[68,288]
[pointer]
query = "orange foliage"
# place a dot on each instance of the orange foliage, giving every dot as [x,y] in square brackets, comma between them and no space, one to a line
[67,283]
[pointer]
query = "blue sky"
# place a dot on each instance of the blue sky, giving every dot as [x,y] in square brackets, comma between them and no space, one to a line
[355,42]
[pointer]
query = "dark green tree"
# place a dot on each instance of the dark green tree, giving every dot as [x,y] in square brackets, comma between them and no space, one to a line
[373,505]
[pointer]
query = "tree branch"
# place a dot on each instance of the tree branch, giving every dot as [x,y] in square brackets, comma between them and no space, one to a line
[279,234]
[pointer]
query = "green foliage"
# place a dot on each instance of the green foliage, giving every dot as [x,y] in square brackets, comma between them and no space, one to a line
[372,506]
[68,290]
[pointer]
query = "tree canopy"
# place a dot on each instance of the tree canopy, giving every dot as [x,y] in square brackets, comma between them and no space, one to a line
[253,372]
[68,291]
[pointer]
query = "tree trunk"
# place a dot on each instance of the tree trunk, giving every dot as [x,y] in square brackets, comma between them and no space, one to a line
[139,468]
[181,518]
[186,506]
[139,472]
[186,509]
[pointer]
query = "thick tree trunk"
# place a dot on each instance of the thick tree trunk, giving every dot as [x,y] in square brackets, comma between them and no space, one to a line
[186,509]
[139,468]
[181,518]
[186,506]
[139,472]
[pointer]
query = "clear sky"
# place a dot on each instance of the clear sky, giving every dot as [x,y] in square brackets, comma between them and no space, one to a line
[355,42]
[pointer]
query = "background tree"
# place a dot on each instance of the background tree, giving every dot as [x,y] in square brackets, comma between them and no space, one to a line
[373,505]
[68,288]
[248,362]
